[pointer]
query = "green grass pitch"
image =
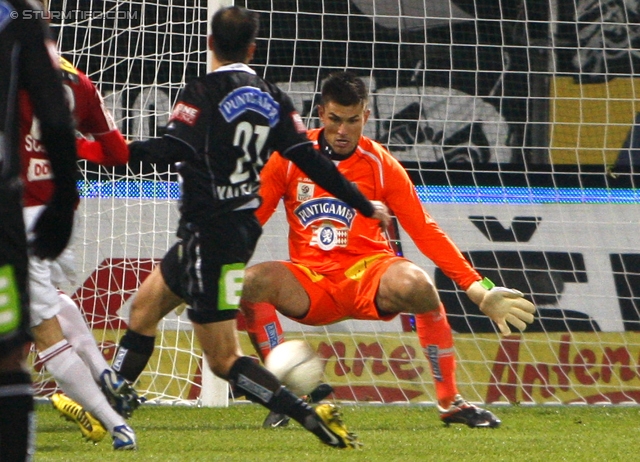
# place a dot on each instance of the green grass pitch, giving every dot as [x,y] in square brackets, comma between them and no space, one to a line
[388,433]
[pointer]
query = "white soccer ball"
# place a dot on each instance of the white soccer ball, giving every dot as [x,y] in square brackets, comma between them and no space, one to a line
[296,365]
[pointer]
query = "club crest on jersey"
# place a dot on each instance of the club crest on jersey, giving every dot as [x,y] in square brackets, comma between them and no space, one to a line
[185,113]
[327,236]
[245,99]
[325,208]
[305,191]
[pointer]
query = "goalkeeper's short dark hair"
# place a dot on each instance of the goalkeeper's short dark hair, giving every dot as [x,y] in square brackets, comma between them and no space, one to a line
[345,89]
[233,30]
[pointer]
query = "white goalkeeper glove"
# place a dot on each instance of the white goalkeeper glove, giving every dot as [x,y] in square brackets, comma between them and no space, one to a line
[502,305]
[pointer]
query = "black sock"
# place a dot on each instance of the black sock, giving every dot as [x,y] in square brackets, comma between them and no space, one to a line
[17,419]
[134,352]
[262,387]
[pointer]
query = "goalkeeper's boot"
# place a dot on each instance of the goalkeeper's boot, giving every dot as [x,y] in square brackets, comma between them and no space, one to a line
[123,438]
[90,427]
[334,431]
[275,420]
[463,412]
[120,394]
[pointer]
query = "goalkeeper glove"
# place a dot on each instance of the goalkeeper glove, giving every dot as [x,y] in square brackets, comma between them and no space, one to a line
[502,305]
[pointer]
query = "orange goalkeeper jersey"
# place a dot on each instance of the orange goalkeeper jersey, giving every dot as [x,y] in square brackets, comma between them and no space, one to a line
[327,235]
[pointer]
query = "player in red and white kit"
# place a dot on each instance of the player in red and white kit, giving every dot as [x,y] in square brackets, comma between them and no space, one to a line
[27,64]
[66,346]
[342,266]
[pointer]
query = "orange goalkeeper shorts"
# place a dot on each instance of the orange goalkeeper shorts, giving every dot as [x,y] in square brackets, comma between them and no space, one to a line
[344,295]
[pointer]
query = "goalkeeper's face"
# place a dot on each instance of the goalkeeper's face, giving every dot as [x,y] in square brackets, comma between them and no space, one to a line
[343,125]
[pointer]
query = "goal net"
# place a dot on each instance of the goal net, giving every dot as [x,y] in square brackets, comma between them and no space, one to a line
[515,119]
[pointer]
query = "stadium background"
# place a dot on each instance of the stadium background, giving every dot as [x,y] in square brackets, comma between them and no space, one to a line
[488,113]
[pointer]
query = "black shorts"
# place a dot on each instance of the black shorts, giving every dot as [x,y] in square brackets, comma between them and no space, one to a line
[206,266]
[14,329]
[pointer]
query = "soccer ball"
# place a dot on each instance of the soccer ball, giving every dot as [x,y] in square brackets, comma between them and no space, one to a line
[296,365]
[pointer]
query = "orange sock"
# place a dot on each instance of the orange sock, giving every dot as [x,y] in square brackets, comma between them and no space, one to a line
[263,326]
[436,340]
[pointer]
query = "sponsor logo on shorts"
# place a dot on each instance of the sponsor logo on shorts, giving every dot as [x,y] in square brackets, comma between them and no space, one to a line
[10,309]
[230,286]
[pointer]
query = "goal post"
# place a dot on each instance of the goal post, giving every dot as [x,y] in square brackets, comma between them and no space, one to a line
[517,122]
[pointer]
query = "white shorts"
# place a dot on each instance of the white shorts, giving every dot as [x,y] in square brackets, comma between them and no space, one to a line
[45,276]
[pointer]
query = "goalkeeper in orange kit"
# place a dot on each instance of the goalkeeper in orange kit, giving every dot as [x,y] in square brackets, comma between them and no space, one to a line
[342,266]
